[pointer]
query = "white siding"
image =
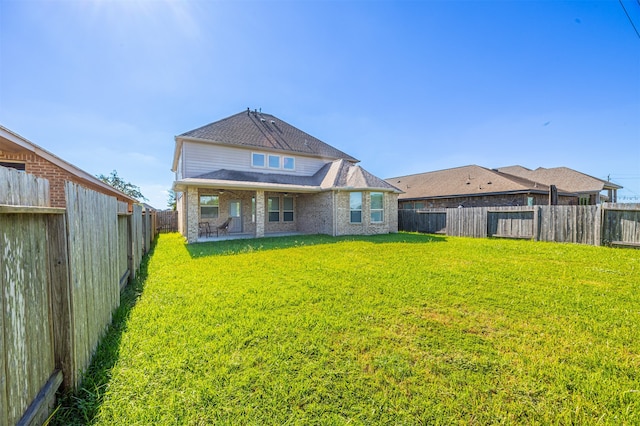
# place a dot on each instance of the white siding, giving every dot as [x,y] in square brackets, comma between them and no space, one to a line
[201,158]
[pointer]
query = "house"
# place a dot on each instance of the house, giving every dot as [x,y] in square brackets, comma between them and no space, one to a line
[588,188]
[19,153]
[474,186]
[270,177]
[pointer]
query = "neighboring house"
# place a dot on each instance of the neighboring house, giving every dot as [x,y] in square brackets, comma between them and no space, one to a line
[270,177]
[588,188]
[21,154]
[473,186]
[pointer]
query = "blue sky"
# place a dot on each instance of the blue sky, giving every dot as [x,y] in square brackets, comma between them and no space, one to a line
[404,86]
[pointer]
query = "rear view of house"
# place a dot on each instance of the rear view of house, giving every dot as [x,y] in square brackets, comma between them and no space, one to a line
[269,177]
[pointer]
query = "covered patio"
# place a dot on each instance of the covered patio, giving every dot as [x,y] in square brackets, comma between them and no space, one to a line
[243,236]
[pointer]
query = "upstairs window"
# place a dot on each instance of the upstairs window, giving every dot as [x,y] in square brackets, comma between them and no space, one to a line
[209,206]
[288,163]
[274,161]
[377,207]
[355,207]
[258,160]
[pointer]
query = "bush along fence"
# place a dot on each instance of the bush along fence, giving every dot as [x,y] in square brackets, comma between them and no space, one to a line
[61,272]
[604,224]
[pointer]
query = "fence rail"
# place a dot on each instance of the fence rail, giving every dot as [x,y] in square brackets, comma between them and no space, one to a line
[59,286]
[605,224]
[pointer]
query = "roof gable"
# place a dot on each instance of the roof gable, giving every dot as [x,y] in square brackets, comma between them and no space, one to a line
[346,175]
[254,129]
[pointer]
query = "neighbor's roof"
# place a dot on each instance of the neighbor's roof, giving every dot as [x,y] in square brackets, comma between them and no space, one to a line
[338,174]
[463,181]
[569,179]
[13,142]
[254,129]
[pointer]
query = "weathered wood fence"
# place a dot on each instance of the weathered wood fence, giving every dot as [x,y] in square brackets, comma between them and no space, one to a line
[167,221]
[604,224]
[61,271]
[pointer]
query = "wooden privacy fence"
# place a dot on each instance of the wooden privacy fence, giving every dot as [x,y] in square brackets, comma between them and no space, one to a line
[167,221]
[59,285]
[605,224]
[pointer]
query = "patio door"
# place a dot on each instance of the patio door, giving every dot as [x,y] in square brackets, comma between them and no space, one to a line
[235,213]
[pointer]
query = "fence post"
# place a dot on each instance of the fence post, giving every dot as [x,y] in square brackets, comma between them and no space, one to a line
[604,233]
[132,270]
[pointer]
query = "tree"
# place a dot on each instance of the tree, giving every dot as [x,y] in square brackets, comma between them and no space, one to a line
[171,202]
[118,183]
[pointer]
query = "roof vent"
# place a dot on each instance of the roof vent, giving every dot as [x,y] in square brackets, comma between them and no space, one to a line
[263,120]
[273,122]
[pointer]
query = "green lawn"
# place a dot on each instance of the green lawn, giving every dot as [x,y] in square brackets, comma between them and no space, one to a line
[393,329]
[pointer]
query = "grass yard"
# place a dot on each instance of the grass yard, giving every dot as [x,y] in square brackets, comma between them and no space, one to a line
[392,329]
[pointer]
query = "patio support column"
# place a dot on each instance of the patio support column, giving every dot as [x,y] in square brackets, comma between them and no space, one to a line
[192,214]
[260,214]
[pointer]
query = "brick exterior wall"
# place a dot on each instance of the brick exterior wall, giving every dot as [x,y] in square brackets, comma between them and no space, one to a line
[315,213]
[57,176]
[312,214]
[366,227]
[248,224]
[260,206]
[193,214]
[492,201]
[181,208]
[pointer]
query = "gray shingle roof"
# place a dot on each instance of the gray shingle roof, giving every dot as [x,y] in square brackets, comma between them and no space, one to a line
[568,179]
[462,181]
[265,131]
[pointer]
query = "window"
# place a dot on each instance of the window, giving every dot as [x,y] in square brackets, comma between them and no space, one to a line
[288,163]
[253,209]
[12,165]
[274,161]
[209,206]
[355,207]
[273,206]
[530,201]
[377,207]
[257,160]
[584,200]
[287,209]
[419,206]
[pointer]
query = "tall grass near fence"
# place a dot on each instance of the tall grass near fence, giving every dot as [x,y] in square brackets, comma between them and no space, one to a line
[394,329]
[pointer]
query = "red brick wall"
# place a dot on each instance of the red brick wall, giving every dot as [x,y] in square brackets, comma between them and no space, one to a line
[56,176]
